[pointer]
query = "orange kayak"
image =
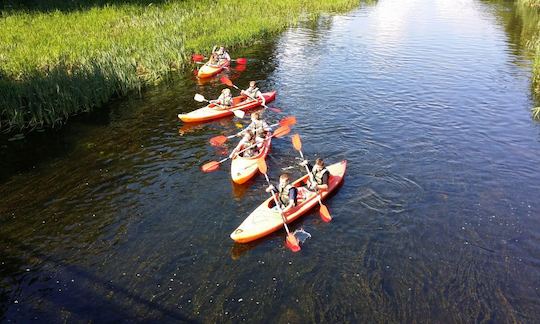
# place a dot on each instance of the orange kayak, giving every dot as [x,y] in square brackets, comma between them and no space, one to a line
[212,112]
[265,220]
[207,70]
[244,168]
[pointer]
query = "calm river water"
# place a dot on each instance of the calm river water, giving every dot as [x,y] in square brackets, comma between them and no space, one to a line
[110,219]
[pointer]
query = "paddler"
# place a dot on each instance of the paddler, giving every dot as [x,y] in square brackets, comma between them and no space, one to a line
[319,173]
[225,99]
[247,141]
[286,193]
[258,126]
[214,60]
[223,55]
[252,93]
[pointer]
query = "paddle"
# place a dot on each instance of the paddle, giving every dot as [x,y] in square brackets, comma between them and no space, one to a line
[214,165]
[200,57]
[238,113]
[229,83]
[221,139]
[291,242]
[323,211]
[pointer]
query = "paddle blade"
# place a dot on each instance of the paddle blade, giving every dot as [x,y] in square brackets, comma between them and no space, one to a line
[325,214]
[241,60]
[240,68]
[218,140]
[281,131]
[288,121]
[239,113]
[274,109]
[296,142]
[199,98]
[226,81]
[210,166]
[261,164]
[292,243]
[197,57]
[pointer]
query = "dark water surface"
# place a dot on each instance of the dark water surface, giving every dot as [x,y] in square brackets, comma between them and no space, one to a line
[110,219]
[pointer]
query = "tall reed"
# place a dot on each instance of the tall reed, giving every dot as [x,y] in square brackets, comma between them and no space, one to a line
[59,61]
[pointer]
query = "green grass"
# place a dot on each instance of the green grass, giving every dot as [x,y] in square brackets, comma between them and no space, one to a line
[59,60]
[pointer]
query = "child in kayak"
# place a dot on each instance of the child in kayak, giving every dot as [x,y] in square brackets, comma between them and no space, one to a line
[259,126]
[214,60]
[225,99]
[223,55]
[247,141]
[253,93]
[286,193]
[319,173]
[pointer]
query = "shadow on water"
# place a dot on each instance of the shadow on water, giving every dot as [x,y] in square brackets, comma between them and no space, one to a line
[110,302]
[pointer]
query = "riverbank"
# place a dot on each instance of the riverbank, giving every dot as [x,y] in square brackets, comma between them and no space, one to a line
[58,61]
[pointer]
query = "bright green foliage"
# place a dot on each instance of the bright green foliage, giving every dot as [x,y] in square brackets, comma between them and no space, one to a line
[56,63]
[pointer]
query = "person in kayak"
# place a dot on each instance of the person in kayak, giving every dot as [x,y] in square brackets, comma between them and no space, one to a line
[319,173]
[286,193]
[225,99]
[259,126]
[253,93]
[247,141]
[214,60]
[223,55]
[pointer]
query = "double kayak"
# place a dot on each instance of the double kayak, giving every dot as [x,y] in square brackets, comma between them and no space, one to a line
[208,70]
[214,112]
[244,168]
[265,219]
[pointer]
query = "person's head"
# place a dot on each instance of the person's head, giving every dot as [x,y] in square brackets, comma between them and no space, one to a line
[221,50]
[226,91]
[252,84]
[256,116]
[284,180]
[319,164]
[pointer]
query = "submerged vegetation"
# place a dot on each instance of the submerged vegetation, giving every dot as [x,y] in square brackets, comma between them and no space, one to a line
[59,58]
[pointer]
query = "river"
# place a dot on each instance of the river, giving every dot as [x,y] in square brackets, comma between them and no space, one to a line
[110,218]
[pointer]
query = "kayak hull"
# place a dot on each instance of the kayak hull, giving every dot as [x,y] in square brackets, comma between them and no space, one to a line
[263,220]
[211,112]
[207,71]
[243,169]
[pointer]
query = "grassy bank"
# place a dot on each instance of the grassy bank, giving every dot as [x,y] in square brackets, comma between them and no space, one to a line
[529,12]
[59,59]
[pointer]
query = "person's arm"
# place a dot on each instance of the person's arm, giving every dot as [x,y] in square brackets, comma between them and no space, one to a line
[260,95]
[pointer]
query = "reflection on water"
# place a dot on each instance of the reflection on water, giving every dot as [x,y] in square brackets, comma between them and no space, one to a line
[111,219]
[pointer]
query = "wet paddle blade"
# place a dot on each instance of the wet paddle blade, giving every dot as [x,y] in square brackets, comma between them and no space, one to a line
[274,109]
[199,98]
[296,142]
[239,113]
[241,60]
[292,243]
[210,166]
[288,121]
[226,81]
[261,164]
[240,68]
[325,214]
[197,57]
[218,140]
[281,131]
